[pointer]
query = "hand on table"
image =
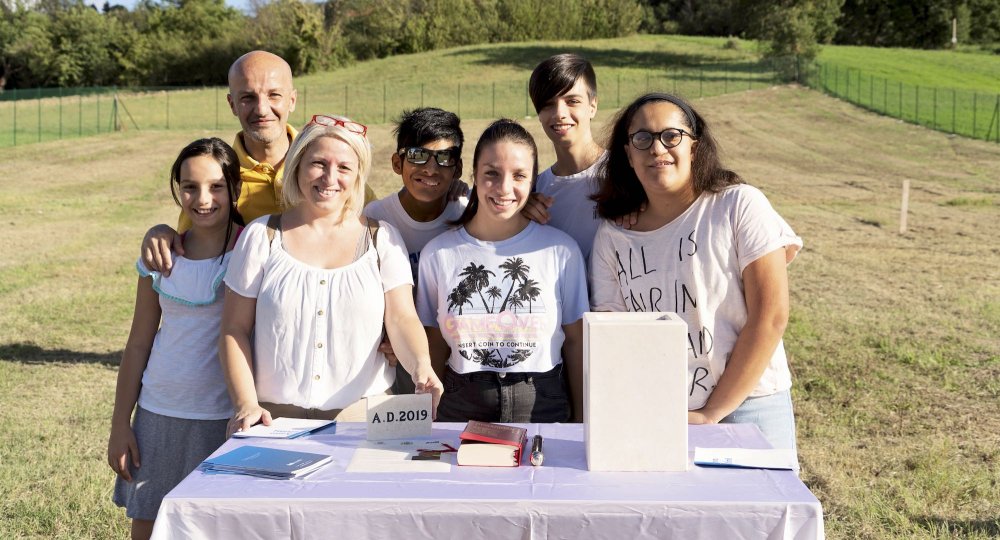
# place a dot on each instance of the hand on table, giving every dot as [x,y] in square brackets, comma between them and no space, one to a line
[247,417]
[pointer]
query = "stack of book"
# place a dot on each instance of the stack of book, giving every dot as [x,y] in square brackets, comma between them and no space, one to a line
[486,444]
[265,462]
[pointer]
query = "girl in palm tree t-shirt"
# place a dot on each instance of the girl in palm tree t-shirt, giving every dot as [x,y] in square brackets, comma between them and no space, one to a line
[502,297]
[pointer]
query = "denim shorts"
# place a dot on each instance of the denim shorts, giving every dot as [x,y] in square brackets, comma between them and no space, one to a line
[493,396]
[772,414]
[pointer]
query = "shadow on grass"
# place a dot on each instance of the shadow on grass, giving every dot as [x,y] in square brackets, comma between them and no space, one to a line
[29,353]
[528,56]
[961,528]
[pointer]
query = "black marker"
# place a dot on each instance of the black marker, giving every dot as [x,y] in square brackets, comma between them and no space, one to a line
[536,451]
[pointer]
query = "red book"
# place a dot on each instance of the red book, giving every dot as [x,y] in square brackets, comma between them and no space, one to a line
[491,445]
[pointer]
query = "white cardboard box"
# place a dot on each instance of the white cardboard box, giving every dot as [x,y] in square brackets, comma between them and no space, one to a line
[635,391]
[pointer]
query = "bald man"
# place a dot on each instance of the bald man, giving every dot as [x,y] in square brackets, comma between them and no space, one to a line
[261,96]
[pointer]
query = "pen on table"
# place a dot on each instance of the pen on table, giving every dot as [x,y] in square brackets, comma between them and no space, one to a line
[536,451]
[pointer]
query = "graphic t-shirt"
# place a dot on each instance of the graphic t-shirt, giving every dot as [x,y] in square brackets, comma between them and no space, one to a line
[693,266]
[573,212]
[415,233]
[501,305]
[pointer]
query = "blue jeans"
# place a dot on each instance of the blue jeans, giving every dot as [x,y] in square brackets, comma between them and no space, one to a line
[772,414]
[491,396]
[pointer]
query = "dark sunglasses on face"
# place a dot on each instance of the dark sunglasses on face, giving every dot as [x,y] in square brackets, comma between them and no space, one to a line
[418,155]
[331,121]
[671,137]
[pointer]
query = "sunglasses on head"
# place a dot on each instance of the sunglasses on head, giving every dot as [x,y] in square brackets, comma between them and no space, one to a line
[669,138]
[331,121]
[418,155]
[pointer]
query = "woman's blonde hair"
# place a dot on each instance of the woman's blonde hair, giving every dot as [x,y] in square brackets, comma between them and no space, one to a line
[291,195]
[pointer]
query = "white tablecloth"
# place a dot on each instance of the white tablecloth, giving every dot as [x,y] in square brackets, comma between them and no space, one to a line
[558,500]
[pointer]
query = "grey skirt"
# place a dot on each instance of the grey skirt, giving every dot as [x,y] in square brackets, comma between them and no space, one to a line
[169,449]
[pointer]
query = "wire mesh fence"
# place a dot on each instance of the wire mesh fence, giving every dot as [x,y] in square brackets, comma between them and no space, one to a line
[37,115]
[962,112]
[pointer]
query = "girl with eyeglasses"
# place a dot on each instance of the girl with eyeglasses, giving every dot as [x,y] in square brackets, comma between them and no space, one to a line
[502,297]
[708,247]
[313,287]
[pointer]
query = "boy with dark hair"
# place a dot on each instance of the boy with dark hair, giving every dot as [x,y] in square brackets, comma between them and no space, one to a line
[428,157]
[563,89]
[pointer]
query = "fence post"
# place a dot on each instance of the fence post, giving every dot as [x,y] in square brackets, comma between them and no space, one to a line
[725,81]
[494,97]
[847,84]
[38,98]
[346,102]
[975,112]
[952,110]
[934,116]
[901,100]
[305,103]
[871,91]
[885,94]
[916,105]
[15,115]
[836,80]
[384,95]
[459,100]
[79,112]
[60,112]
[701,83]
[996,113]
[98,99]
[216,108]
[168,108]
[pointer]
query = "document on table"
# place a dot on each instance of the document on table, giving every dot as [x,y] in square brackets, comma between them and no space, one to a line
[288,428]
[772,458]
[408,455]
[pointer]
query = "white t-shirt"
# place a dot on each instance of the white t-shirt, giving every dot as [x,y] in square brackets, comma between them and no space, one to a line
[317,330]
[501,305]
[183,377]
[415,233]
[573,212]
[693,266]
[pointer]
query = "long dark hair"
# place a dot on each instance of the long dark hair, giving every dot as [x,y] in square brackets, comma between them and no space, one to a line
[502,130]
[620,193]
[226,157]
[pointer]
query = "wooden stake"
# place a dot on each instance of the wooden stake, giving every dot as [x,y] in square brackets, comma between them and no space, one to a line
[905,207]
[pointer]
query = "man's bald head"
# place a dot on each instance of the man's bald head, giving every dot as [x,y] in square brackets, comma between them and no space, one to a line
[261,95]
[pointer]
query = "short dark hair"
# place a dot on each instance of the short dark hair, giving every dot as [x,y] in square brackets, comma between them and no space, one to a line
[228,161]
[426,124]
[502,130]
[556,75]
[619,191]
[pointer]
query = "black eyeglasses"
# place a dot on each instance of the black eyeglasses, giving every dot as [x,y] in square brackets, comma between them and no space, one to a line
[330,121]
[418,155]
[670,137]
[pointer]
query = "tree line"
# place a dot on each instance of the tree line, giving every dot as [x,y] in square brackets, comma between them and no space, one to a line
[192,42]
[48,43]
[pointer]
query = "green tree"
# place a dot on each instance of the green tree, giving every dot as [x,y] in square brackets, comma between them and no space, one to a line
[296,31]
[25,50]
[792,28]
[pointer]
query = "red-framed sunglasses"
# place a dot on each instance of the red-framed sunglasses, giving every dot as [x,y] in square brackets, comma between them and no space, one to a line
[330,121]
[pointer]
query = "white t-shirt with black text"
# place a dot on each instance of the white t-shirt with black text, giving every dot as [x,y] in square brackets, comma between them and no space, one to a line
[693,266]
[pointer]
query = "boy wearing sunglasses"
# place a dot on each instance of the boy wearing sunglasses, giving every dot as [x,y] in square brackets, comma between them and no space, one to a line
[428,157]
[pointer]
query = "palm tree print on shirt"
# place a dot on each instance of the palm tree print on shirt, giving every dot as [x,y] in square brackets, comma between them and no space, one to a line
[480,290]
[477,281]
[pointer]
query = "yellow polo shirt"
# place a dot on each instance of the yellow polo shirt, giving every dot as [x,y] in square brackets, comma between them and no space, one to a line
[261,191]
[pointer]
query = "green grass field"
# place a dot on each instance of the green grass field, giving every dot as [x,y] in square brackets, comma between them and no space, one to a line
[892,339]
[952,91]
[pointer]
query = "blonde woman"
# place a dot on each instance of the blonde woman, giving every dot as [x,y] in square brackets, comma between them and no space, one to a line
[313,287]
